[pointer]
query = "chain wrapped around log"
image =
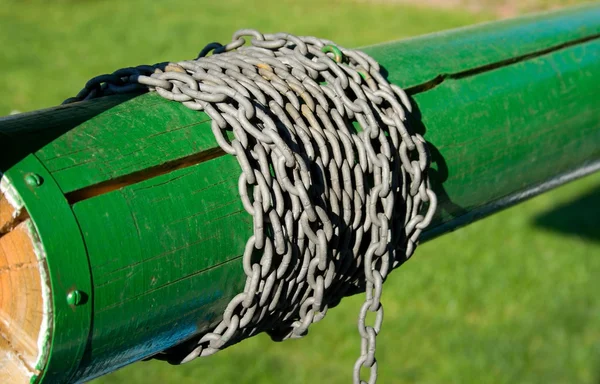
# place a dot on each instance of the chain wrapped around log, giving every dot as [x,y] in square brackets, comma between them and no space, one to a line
[121,226]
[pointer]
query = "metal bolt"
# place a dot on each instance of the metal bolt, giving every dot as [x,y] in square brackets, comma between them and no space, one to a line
[75,297]
[33,180]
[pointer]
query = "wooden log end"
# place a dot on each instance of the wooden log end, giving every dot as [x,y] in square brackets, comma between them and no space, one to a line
[25,304]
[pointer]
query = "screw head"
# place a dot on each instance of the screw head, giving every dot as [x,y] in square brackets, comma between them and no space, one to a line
[33,179]
[74,297]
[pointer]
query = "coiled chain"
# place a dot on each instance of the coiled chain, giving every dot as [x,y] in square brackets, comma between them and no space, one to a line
[335,182]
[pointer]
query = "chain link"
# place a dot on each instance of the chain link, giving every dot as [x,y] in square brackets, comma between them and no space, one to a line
[335,205]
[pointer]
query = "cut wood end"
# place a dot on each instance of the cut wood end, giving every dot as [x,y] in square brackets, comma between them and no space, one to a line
[24,307]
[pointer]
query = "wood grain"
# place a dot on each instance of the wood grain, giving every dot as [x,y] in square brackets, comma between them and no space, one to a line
[12,369]
[6,212]
[505,108]
[8,217]
[21,302]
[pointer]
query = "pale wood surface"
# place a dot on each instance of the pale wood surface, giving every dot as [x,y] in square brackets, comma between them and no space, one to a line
[6,212]
[12,370]
[21,301]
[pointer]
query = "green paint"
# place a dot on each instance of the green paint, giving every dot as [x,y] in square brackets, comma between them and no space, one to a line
[33,180]
[415,61]
[164,255]
[67,265]
[75,298]
[164,252]
[338,56]
[518,126]
[26,133]
[129,137]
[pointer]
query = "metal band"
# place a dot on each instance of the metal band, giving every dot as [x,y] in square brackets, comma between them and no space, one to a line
[61,245]
[335,181]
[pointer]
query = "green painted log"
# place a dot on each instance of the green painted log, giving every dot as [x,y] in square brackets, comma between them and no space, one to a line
[133,211]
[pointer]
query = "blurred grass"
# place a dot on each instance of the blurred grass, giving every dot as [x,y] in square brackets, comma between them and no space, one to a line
[51,48]
[500,8]
[510,299]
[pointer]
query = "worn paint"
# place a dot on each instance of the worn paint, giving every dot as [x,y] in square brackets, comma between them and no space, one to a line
[67,264]
[11,195]
[127,138]
[518,126]
[46,326]
[516,107]
[156,245]
[415,61]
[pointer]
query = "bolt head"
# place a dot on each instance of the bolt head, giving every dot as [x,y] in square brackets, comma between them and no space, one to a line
[74,297]
[33,180]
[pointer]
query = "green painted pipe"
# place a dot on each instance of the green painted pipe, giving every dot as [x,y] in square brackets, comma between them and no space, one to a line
[134,219]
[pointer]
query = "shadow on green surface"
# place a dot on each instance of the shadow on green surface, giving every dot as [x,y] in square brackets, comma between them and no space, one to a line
[439,172]
[26,133]
[579,217]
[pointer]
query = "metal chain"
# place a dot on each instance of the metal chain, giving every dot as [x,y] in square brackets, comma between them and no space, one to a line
[326,161]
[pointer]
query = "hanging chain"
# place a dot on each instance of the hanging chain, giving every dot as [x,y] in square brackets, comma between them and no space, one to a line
[335,182]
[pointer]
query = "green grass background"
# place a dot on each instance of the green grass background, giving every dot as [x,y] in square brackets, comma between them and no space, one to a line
[510,299]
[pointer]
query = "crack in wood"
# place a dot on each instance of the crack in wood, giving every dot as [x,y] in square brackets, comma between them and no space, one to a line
[12,223]
[143,175]
[439,79]
[16,353]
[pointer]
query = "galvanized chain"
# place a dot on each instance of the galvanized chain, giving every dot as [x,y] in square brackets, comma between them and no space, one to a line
[315,183]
